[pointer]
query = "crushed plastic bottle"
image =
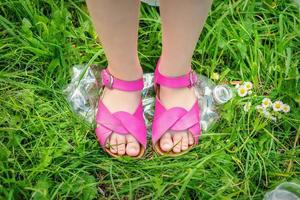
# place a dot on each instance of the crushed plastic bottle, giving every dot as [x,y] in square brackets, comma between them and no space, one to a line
[284,191]
[210,96]
[151,2]
[84,91]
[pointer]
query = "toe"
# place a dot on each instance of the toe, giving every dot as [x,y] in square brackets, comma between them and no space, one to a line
[185,142]
[113,143]
[166,142]
[177,139]
[121,144]
[191,139]
[132,147]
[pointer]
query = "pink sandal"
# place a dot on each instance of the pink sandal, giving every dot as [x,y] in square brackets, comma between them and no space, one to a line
[121,122]
[177,118]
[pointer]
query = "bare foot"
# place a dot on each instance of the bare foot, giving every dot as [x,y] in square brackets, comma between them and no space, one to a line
[117,100]
[177,97]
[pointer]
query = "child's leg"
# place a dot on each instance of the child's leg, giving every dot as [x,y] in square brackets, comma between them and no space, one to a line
[182,23]
[116,22]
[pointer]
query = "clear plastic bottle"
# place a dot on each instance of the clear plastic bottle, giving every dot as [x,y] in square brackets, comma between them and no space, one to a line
[284,191]
[210,96]
[151,2]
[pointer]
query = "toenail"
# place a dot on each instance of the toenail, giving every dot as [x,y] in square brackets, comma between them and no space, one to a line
[134,148]
[132,151]
[167,145]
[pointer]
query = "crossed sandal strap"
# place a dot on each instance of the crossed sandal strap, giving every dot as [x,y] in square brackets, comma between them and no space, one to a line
[110,81]
[187,80]
[121,122]
[175,119]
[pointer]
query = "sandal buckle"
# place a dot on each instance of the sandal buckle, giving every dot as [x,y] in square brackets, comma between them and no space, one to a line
[107,79]
[193,78]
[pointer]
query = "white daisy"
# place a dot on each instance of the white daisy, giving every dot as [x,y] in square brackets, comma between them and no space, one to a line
[260,108]
[242,91]
[248,85]
[266,102]
[286,108]
[277,106]
[247,106]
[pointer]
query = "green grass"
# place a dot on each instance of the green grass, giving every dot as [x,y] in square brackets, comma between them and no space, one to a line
[48,152]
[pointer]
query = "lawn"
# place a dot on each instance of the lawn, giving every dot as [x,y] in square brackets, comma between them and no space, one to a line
[48,152]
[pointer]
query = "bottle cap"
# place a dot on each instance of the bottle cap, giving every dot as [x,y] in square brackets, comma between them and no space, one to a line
[222,94]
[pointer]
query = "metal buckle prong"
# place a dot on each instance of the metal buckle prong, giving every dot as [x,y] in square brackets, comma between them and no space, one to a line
[111,81]
[192,81]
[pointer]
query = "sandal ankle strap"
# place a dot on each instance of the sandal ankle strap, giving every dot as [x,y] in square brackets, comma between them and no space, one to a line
[112,82]
[187,80]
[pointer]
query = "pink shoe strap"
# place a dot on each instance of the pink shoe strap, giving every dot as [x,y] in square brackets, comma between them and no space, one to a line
[175,119]
[121,122]
[187,80]
[110,81]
